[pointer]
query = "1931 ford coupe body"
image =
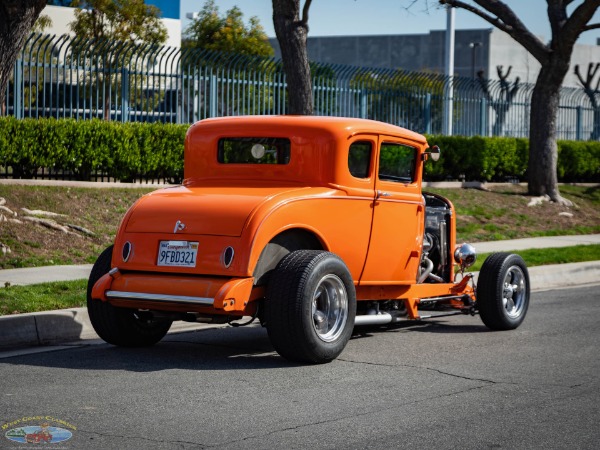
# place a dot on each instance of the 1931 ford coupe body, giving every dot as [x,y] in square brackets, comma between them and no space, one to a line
[313,224]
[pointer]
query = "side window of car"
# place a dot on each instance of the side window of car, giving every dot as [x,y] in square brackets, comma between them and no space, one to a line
[359,159]
[397,162]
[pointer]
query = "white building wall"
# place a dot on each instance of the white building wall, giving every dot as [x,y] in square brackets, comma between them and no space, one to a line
[62,16]
[505,52]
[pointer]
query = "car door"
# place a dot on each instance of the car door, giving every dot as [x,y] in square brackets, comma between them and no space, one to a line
[398,213]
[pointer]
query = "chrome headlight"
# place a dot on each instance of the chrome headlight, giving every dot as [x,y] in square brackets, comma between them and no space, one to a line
[465,255]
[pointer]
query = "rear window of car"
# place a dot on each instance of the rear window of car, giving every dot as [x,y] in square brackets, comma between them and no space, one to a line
[254,150]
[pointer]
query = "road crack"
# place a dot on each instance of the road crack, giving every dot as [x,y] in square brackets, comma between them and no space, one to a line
[431,369]
[369,412]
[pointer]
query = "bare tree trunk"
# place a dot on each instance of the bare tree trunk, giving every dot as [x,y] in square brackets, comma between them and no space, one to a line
[591,91]
[554,58]
[596,130]
[543,149]
[291,31]
[16,21]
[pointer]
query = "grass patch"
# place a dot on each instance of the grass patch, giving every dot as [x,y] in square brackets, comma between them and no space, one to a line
[503,213]
[97,210]
[42,297]
[481,216]
[547,256]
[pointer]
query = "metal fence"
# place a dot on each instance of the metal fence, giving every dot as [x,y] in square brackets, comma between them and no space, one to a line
[59,76]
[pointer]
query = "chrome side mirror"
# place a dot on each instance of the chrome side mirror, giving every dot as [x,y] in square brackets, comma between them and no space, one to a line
[434,152]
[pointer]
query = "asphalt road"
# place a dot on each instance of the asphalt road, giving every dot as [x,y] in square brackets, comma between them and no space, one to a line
[447,384]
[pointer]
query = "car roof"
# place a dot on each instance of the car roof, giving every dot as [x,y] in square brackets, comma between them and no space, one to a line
[338,125]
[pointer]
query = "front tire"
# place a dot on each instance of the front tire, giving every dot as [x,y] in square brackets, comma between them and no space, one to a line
[120,326]
[503,291]
[311,305]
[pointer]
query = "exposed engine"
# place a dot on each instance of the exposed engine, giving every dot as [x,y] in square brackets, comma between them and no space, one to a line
[435,262]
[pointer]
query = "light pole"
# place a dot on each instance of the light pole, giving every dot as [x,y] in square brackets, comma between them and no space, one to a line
[473,46]
[449,71]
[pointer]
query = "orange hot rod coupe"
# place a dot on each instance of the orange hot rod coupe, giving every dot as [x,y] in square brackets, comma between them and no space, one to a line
[314,225]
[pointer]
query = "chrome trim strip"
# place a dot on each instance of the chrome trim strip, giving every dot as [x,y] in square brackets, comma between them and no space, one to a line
[160,297]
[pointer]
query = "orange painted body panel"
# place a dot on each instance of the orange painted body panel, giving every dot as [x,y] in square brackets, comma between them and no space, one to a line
[375,226]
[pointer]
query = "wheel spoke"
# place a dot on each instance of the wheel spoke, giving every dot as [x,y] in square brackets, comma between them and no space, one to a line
[509,304]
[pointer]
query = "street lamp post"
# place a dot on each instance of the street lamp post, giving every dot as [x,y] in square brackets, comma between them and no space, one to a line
[473,46]
[449,71]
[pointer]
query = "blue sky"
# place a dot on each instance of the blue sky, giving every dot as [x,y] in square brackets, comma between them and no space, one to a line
[365,17]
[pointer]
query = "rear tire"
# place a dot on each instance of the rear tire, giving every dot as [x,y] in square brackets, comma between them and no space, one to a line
[310,307]
[503,291]
[120,326]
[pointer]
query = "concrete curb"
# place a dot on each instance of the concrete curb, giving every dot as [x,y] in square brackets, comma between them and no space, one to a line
[564,275]
[53,327]
[46,327]
[60,326]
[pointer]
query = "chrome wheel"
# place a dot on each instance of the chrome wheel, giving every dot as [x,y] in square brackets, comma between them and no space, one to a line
[330,308]
[513,295]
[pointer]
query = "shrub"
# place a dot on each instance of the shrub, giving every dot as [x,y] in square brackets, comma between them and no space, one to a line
[129,151]
[124,151]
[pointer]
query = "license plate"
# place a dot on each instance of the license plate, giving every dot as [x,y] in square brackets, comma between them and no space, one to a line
[177,253]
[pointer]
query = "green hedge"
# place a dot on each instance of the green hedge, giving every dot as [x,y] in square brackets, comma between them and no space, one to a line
[479,159]
[155,150]
[501,159]
[122,151]
[578,161]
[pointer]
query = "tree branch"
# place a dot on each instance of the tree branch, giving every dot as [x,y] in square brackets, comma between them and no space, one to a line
[592,26]
[502,17]
[304,19]
[586,83]
[577,22]
[579,77]
[592,70]
[557,14]
[493,20]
